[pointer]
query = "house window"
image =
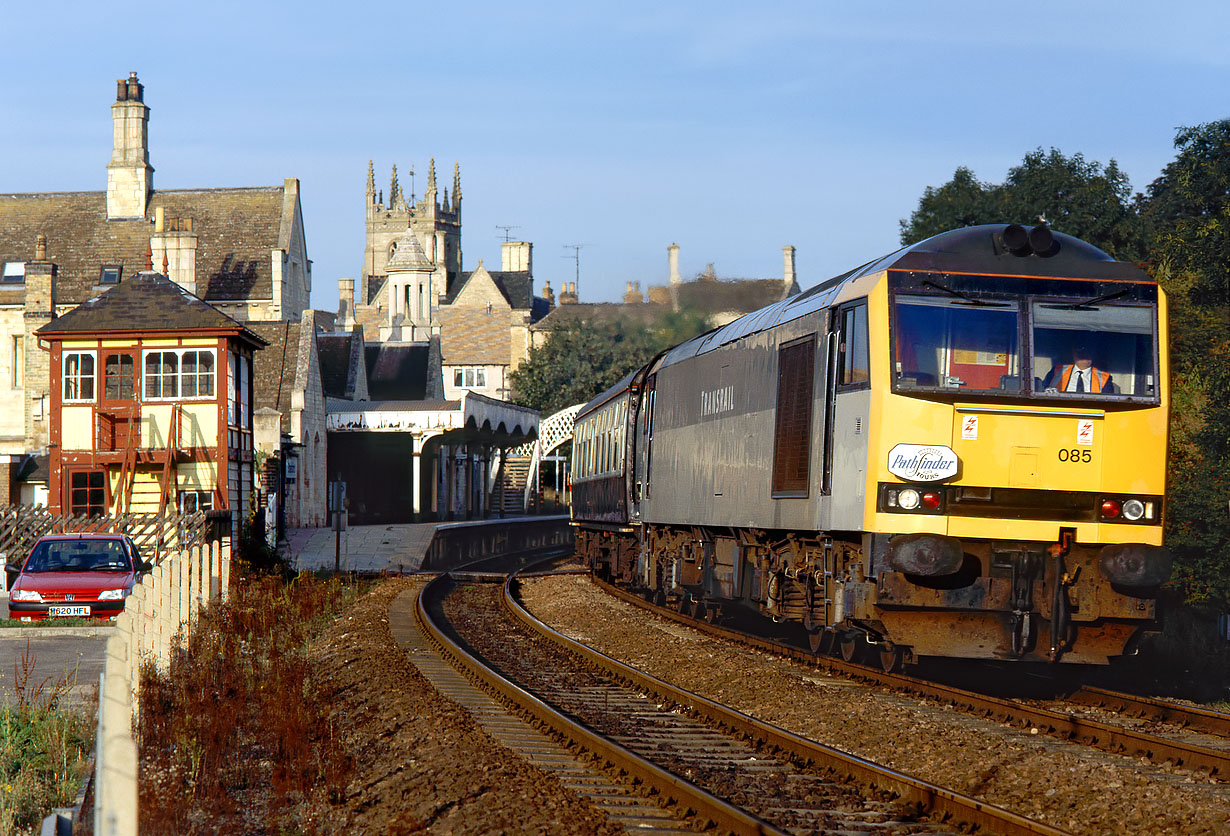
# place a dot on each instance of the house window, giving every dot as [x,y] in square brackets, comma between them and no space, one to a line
[192,501]
[17,357]
[79,376]
[88,493]
[231,417]
[110,274]
[470,377]
[179,374]
[14,272]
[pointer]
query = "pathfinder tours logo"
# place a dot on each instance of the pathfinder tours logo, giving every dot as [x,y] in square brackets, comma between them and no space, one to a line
[922,462]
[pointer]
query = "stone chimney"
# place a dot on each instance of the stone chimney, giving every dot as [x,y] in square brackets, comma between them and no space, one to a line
[174,244]
[673,260]
[709,274]
[345,304]
[788,260]
[130,177]
[39,310]
[632,294]
[548,294]
[517,257]
[568,296]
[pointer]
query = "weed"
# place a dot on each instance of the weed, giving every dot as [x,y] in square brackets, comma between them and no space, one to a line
[233,729]
[44,747]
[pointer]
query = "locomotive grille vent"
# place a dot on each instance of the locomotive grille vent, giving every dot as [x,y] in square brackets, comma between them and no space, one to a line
[858,426]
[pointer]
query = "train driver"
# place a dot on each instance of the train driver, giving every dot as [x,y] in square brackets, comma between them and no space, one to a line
[1078,376]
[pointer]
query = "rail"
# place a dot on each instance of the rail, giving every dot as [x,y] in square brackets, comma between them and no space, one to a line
[1093,733]
[725,816]
[936,801]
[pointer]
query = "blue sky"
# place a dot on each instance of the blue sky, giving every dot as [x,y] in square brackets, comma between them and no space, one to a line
[727,128]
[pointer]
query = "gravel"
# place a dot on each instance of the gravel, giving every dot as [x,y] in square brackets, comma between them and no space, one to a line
[1066,785]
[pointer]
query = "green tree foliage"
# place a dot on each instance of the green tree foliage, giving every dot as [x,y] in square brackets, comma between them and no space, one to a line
[1186,215]
[581,359]
[1073,195]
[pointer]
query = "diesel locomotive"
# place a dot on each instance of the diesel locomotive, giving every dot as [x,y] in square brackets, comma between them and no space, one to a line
[957,450]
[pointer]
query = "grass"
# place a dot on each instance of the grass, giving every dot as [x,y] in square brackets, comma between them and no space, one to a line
[15,624]
[233,734]
[44,747]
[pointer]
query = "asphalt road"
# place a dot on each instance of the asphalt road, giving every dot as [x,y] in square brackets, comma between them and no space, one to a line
[74,654]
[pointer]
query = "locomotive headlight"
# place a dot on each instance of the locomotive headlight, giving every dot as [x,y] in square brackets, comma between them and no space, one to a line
[1133,509]
[1110,508]
[908,499]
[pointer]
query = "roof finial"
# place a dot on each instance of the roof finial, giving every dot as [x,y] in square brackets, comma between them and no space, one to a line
[164,261]
[149,256]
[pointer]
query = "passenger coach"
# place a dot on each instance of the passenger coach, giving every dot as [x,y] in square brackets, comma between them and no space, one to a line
[958,450]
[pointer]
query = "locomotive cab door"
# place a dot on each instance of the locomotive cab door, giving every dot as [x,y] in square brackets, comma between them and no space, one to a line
[848,387]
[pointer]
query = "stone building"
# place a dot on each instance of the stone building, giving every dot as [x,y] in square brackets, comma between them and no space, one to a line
[412,289]
[241,250]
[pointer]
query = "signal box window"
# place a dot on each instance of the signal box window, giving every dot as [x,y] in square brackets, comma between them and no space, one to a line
[88,492]
[119,377]
[78,376]
[792,431]
[944,343]
[1083,349]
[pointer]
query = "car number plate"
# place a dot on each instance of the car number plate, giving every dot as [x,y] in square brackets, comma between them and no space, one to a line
[68,611]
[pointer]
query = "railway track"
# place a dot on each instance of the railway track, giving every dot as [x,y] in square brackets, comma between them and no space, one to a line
[1207,755]
[739,774]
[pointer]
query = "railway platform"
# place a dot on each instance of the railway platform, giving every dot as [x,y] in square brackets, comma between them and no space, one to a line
[404,548]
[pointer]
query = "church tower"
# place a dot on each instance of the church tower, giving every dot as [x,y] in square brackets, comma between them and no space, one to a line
[130,177]
[435,221]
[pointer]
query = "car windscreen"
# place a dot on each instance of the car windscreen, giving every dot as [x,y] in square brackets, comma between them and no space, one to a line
[78,556]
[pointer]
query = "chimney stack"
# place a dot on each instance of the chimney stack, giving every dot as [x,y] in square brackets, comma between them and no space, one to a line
[788,260]
[548,294]
[632,294]
[673,259]
[130,177]
[345,304]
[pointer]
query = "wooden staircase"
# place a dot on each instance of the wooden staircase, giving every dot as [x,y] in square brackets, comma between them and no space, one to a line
[509,496]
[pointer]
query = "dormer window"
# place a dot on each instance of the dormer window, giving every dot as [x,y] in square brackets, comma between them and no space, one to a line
[110,274]
[14,272]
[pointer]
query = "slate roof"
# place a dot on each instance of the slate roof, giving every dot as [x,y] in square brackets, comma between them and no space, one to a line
[146,302]
[334,351]
[735,296]
[397,372]
[235,229]
[516,286]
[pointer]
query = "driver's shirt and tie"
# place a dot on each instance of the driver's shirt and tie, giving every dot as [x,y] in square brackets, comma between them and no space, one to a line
[1078,382]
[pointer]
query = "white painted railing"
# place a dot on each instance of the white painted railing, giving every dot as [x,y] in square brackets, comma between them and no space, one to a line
[164,604]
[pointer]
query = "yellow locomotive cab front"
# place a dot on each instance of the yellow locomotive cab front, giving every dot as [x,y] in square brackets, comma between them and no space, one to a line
[1015,483]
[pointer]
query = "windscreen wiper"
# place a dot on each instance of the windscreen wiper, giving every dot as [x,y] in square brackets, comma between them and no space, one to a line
[1085,306]
[969,299]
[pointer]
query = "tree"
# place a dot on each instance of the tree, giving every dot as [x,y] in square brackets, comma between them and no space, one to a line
[1186,217]
[581,359]
[1070,194]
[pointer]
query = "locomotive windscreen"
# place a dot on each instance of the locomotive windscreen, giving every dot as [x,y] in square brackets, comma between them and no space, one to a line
[969,338]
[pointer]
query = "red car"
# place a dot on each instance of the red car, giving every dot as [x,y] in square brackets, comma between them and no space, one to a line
[74,576]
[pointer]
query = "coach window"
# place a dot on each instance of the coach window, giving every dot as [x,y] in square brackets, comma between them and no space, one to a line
[855,364]
[792,430]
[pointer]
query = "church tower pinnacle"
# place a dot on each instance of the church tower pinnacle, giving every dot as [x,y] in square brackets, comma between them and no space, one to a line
[371,182]
[456,188]
[394,189]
